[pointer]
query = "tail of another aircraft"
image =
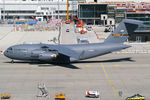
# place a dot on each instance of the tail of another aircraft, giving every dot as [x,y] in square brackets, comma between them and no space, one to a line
[120,34]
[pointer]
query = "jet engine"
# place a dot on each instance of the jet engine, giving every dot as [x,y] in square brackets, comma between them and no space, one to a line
[46,56]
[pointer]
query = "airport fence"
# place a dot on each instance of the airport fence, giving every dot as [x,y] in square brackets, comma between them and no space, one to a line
[25,27]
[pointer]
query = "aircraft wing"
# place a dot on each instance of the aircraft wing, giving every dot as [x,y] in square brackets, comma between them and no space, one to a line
[65,51]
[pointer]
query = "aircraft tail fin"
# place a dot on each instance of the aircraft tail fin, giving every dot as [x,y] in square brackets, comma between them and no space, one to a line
[120,34]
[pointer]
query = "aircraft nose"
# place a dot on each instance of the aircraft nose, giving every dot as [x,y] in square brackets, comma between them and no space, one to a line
[6,53]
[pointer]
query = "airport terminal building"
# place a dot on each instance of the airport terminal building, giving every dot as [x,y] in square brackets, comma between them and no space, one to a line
[91,12]
[88,10]
[24,9]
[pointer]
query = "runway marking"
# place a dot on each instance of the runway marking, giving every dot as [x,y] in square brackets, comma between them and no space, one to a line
[116,65]
[109,79]
[88,66]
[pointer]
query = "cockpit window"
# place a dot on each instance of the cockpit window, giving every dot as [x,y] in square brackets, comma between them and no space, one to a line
[10,48]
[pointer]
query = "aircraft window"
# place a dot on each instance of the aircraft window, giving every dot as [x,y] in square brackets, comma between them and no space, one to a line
[9,48]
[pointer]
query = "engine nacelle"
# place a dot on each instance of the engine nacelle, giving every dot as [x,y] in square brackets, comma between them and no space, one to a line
[46,56]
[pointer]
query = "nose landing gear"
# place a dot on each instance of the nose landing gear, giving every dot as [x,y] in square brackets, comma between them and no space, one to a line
[12,61]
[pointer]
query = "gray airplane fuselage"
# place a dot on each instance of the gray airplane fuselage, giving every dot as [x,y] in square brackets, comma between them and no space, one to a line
[25,51]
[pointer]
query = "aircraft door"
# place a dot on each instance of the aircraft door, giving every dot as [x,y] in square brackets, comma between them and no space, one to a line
[24,52]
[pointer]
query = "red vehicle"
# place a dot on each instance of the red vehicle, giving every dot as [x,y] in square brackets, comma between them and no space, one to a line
[92,94]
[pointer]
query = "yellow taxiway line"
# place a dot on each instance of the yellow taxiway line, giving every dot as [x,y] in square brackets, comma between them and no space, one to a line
[116,65]
[109,79]
[88,65]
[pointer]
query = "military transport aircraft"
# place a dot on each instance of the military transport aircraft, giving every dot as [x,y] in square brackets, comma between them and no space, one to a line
[74,52]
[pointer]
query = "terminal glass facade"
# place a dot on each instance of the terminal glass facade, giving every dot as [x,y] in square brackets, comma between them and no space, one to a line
[111,12]
[120,14]
[92,10]
[139,16]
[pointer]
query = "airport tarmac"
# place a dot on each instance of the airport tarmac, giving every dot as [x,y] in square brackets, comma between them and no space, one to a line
[109,74]
[68,37]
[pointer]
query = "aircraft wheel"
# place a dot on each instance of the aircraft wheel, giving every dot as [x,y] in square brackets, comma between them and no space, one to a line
[12,61]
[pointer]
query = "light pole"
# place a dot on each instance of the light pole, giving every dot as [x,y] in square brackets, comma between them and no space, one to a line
[53,10]
[3,10]
[58,9]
